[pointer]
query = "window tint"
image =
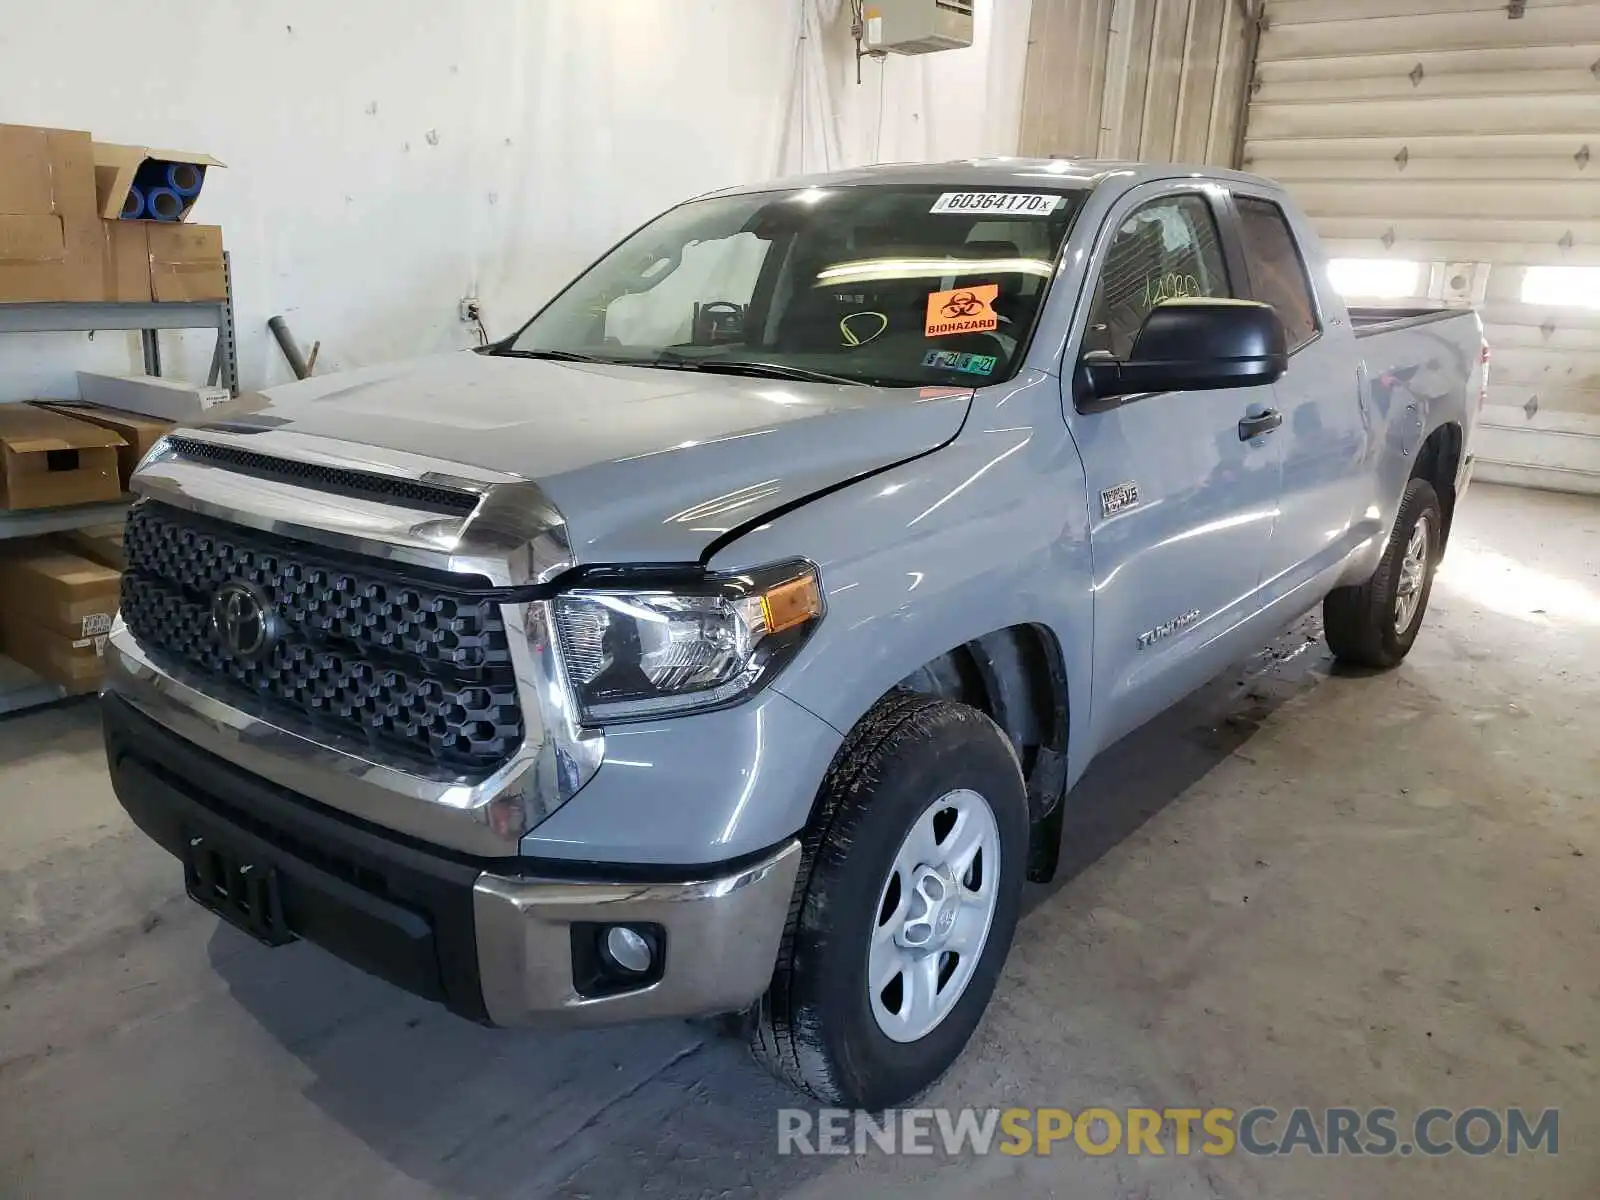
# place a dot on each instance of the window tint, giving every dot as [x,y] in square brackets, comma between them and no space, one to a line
[1276,272]
[1166,250]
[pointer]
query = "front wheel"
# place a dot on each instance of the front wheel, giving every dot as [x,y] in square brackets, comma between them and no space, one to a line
[906,906]
[1375,623]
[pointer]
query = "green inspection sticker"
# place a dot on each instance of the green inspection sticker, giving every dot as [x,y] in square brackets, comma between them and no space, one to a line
[955,360]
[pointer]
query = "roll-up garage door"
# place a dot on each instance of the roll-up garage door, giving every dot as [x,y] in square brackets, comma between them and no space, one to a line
[1450,150]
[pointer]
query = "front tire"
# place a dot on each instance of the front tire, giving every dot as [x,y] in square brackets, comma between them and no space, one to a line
[1374,624]
[908,898]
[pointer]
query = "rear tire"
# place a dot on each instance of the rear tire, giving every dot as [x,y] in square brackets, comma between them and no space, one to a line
[913,865]
[1374,624]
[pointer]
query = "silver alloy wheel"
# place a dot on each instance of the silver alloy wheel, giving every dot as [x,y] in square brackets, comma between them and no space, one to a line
[934,914]
[1413,575]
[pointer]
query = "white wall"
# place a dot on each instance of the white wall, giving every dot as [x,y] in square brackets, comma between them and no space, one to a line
[387,157]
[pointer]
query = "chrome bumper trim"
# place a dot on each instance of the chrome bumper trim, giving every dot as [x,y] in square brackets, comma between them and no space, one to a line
[483,818]
[722,938]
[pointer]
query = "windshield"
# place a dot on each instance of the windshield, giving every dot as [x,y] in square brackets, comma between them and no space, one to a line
[885,284]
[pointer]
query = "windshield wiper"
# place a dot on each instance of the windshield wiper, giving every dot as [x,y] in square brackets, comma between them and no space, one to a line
[556,356]
[758,370]
[670,360]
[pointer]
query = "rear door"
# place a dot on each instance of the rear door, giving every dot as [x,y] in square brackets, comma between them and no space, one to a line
[1325,439]
[1181,505]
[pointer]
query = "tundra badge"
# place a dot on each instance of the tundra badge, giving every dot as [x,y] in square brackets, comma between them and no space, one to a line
[1115,499]
[1168,628]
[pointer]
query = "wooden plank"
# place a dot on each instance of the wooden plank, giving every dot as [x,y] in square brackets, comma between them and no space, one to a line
[1427,116]
[1578,454]
[1505,335]
[1512,396]
[1551,479]
[1041,99]
[1166,72]
[1435,200]
[1306,12]
[1127,79]
[1526,367]
[1554,26]
[1501,254]
[1543,421]
[1540,316]
[1567,168]
[1575,56]
[1233,78]
[1483,147]
[1458,229]
[1396,84]
[1201,55]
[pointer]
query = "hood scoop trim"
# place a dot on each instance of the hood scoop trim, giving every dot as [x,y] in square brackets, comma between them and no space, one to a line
[345,481]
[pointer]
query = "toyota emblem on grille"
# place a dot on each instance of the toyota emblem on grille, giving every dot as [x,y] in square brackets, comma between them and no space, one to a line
[243,620]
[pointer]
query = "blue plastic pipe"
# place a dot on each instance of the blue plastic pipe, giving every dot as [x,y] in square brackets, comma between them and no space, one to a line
[133,204]
[163,204]
[185,178]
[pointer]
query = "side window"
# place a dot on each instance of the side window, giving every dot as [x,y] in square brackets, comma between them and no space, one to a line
[1167,249]
[1276,271]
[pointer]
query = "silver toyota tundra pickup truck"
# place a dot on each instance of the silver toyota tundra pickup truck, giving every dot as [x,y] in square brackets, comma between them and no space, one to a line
[727,641]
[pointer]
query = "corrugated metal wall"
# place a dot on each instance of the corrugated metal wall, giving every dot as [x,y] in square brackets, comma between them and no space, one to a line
[1458,132]
[1160,80]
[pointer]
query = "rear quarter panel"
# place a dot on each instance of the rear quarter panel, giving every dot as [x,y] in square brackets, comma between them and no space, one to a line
[1414,380]
[1420,378]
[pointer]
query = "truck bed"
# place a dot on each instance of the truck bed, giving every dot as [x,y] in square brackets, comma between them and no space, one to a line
[1367,321]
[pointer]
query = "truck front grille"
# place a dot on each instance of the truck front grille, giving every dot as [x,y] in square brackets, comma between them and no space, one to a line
[413,663]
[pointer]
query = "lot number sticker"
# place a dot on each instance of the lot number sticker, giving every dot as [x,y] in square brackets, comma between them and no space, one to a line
[1011,204]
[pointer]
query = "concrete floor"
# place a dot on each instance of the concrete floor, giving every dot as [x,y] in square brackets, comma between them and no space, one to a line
[1299,888]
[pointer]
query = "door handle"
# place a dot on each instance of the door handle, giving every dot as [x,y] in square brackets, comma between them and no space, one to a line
[1254,427]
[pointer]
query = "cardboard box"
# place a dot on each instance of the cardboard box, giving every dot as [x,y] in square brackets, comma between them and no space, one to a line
[46,171]
[115,168]
[51,244]
[127,261]
[152,260]
[101,544]
[150,396]
[60,592]
[48,459]
[186,262]
[137,431]
[77,664]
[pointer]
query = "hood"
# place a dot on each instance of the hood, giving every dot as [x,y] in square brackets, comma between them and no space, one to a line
[645,465]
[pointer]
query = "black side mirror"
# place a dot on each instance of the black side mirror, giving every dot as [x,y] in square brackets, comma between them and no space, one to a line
[1193,345]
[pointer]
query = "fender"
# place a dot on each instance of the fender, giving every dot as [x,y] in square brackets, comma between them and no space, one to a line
[990,531]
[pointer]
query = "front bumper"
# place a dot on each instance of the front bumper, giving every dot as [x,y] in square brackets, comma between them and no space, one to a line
[501,941]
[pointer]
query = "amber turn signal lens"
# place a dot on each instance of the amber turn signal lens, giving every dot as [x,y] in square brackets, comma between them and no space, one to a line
[791,603]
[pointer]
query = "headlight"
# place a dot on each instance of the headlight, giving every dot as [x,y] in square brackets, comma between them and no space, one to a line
[635,652]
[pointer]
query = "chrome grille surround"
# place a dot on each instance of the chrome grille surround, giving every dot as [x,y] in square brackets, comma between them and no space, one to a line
[513,537]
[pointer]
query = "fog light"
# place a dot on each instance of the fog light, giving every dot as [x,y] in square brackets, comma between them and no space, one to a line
[629,950]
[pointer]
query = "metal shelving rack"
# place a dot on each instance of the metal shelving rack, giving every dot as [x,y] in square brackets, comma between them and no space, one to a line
[19,687]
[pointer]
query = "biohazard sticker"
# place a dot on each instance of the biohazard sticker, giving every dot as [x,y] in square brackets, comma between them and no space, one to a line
[1010,204]
[964,310]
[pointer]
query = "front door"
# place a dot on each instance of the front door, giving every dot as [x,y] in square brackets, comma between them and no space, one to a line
[1182,499]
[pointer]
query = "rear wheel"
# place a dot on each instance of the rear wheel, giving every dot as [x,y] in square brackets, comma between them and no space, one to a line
[1374,624]
[905,909]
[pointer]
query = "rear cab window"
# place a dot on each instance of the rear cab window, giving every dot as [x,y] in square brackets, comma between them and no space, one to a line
[898,285]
